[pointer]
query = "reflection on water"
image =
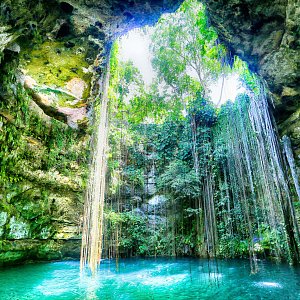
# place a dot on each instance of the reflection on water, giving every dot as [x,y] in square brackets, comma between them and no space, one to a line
[164,280]
[151,279]
[269,284]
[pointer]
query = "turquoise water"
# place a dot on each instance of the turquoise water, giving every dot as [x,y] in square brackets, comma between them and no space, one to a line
[151,279]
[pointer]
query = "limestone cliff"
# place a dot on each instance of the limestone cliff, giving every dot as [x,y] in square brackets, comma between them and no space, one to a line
[266,34]
[52,54]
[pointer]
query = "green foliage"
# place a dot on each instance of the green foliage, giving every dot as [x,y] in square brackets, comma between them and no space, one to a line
[35,157]
[232,246]
[249,80]
[134,233]
[13,115]
[202,111]
[180,181]
[186,53]
[269,238]
[199,153]
[150,106]
[134,176]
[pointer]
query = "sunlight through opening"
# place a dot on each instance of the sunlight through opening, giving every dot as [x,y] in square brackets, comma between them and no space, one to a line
[135,46]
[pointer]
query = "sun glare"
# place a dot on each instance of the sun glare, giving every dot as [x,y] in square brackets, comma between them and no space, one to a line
[135,45]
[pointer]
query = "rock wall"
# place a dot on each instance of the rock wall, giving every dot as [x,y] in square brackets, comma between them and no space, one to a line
[43,166]
[46,81]
[52,54]
[266,34]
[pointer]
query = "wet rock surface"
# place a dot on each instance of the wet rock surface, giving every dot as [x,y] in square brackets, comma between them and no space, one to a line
[266,34]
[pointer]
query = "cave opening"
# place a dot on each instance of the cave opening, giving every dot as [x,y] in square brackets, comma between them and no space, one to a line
[63,31]
[66,7]
[194,157]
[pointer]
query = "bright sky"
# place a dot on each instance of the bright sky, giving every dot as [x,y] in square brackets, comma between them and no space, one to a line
[135,46]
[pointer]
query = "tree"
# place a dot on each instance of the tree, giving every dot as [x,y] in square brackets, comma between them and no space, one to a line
[186,52]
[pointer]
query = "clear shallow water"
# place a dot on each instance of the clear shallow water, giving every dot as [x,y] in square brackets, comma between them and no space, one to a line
[151,279]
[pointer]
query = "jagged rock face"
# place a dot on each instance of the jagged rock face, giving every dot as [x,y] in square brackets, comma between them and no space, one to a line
[116,17]
[52,54]
[266,34]
[58,42]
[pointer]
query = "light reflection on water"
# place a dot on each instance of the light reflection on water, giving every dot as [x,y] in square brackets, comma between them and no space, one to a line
[151,279]
[269,284]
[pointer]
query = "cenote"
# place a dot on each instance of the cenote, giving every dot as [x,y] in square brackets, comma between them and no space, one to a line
[184,278]
[149,149]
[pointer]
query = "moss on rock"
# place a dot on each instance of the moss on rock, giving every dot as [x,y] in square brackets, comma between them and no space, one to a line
[54,65]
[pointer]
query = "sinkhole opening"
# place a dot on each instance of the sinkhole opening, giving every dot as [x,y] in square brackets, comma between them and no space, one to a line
[190,163]
[136,47]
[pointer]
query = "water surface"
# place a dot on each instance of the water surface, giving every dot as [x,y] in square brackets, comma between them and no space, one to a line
[151,279]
